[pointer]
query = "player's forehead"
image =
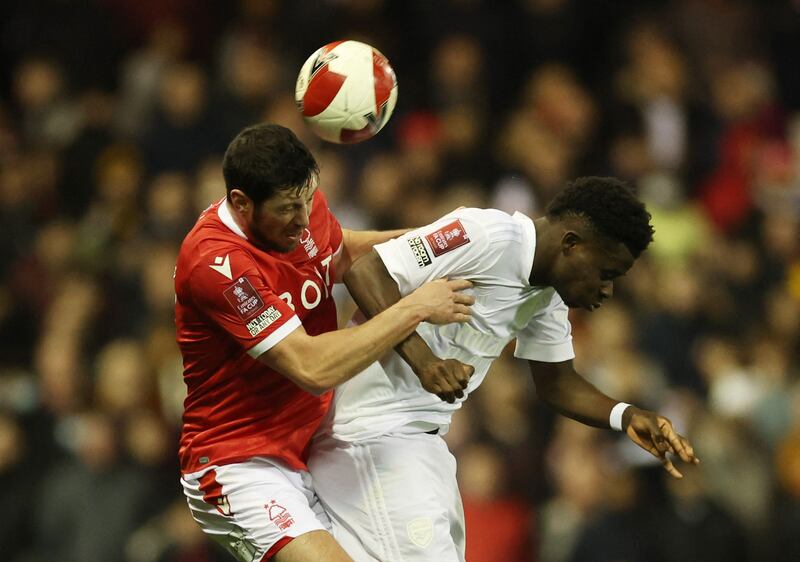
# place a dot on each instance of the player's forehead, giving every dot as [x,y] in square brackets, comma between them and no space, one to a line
[294,193]
[613,254]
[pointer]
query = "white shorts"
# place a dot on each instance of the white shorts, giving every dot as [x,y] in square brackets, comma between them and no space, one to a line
[392,498]
[254,508]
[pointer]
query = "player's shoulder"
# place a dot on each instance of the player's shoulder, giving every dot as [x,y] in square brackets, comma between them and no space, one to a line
[494,224]
[480,216]
[212,249]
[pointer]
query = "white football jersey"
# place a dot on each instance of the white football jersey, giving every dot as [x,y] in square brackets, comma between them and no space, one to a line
[495,251]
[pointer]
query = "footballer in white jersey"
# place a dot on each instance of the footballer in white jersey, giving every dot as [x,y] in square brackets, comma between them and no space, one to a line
[379,465]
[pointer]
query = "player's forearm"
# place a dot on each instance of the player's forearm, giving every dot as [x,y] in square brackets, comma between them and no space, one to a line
[338,356]
[567,392]
[374,290]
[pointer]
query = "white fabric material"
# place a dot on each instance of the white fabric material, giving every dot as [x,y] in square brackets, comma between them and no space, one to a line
[262,502]
[275,337]
[391,499]
[387,396]
[615,417]
[225,215]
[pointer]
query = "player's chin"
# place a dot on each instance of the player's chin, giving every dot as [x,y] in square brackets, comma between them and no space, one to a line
[288,244]
[582,304]
[593,306]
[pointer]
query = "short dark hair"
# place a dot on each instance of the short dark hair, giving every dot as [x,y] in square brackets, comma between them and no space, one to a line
[611,207]
[266,158]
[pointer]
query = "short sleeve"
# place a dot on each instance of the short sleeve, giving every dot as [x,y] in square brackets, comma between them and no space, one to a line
[237,297]
[455,246]
[548,335]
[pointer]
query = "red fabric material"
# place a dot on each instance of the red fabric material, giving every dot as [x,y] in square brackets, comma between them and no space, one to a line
[237,407]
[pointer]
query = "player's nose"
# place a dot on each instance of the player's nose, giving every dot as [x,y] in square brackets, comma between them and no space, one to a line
[301,217]
[607,290]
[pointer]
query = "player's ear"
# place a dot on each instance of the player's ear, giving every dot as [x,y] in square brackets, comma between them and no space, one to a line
[240,201]
[569,240]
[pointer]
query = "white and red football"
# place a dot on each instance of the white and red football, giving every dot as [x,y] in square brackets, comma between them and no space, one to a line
[346,91]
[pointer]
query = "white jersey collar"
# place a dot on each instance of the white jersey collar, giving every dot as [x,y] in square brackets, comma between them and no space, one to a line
[225,215]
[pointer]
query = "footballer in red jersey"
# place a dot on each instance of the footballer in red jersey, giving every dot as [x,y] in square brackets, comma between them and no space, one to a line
[256,325]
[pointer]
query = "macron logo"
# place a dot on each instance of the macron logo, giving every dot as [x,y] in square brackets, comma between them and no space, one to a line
[223,266]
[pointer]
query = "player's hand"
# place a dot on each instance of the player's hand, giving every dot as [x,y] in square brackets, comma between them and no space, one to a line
[446,378]
[445,301]
[655,434]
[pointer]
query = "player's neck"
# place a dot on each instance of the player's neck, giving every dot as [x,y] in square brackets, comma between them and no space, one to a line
[544,255]
[241,222]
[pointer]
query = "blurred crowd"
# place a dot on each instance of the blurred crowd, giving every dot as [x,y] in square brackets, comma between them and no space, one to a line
[114,115]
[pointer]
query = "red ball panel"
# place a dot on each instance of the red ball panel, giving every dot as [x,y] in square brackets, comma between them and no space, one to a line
[349,136]
[384,79]
[323,87]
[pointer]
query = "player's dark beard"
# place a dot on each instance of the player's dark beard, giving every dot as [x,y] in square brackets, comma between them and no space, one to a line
[262,242]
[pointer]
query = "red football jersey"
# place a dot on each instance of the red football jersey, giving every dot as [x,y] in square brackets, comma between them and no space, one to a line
[233,302]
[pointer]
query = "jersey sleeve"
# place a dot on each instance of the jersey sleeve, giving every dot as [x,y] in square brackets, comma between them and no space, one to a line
[548,335]
[334,228]
[238,298]
[455,246]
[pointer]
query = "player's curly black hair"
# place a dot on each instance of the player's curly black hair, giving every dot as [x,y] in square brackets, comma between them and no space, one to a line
[266,158]
[611,207]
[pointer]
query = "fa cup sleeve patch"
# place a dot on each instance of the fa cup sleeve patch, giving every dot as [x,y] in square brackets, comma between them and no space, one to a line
[244,298]
[420,251]
[448,238]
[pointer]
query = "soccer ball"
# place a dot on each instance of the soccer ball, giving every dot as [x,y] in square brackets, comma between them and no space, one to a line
[346,91]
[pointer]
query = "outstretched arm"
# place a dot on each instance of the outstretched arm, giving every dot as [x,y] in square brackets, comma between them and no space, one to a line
[319,363]
[563,389]
[374,290]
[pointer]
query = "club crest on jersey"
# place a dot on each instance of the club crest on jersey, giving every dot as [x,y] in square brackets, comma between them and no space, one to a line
[420,251]
[244,298]
[279,515]
[308,243]
[420,531]
[447,238]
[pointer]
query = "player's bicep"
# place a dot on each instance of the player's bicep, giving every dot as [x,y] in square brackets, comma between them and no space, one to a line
[547,372]
[235,298]
[289,356]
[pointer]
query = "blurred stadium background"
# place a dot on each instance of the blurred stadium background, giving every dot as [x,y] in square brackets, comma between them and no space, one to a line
[113,118]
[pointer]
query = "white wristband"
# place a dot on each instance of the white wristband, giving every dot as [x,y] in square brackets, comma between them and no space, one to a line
[615,418]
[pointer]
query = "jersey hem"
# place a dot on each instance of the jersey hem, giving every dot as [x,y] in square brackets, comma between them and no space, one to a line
[287,463]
